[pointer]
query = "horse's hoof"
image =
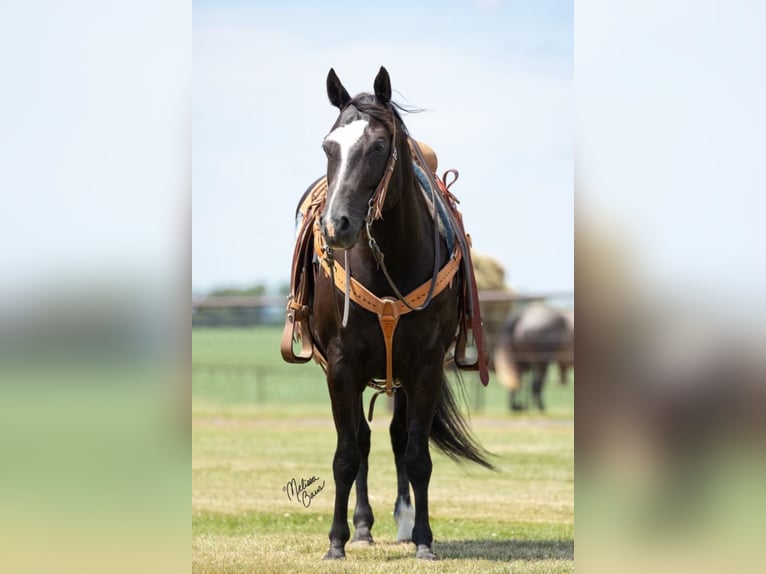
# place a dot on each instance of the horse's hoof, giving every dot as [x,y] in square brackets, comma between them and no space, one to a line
[425,553]
[362,536]
[335,554]
[362,542]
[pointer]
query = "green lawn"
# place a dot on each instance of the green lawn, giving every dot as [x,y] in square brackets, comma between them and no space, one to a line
[258,422]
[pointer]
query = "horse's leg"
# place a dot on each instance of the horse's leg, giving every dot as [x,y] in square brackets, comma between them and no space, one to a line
[345,465]
[563,371]
[363,518]
[538,379]
[517,394]
[515,404]
[421,404]
[404,513]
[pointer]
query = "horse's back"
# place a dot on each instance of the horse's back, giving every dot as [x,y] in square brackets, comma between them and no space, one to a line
[539,331]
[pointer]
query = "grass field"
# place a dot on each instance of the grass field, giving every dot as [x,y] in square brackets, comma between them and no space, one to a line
[258,423]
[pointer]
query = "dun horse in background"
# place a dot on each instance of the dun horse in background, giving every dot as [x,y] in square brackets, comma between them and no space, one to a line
[530,340]
[381,238]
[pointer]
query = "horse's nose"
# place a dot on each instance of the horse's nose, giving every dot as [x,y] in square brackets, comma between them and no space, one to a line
[335,227]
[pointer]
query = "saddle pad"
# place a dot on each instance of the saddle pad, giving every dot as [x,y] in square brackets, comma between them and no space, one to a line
[445,226]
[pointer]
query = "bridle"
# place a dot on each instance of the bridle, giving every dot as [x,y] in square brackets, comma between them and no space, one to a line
[374,213]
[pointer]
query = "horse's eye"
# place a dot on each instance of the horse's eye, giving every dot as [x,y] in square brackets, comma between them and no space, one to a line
[380,145]
[327,148]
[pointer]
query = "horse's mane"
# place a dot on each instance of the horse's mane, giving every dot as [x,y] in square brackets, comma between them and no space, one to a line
[370,105]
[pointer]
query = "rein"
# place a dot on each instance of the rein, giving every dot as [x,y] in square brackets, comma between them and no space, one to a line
[329,255]
[375,211]
[379,195]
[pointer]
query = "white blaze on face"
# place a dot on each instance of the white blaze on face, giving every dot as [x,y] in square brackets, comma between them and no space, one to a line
[346,137]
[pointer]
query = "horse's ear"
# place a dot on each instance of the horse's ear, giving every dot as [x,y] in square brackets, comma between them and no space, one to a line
[335,91]
[383,86]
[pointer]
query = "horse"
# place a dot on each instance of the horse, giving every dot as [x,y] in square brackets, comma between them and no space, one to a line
[372,190]
[532,338]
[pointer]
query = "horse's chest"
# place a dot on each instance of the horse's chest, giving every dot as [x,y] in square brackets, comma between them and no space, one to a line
[363,342]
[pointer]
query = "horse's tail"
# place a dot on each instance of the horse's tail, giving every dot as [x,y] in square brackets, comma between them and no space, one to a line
[505,366]
[450,432]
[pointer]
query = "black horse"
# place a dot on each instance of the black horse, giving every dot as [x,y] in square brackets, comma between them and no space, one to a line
[372,190]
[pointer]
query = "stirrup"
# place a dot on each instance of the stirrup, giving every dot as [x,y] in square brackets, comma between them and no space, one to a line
[466,351]
[290,336]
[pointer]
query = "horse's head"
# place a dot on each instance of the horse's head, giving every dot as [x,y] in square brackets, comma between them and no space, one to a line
[359,148]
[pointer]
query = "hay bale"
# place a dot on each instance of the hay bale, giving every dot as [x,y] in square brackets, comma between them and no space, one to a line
[490,275]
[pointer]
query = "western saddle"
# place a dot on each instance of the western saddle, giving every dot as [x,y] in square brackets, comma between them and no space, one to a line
[310,257]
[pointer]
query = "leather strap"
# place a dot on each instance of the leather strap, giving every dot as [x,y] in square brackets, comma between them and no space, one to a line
[378,198]
[289,335]
[296,317]
[389,319]
[368,300]
[476,325]
[387,309]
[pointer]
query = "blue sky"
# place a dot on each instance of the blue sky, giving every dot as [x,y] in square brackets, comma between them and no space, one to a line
[494,77]
[670,142]
[94,132]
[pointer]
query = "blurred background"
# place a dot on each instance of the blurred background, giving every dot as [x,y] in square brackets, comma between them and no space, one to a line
[95,182]
[671,396]
[99,108]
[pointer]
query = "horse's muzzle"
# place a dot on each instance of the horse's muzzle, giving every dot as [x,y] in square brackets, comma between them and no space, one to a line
[339,232]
